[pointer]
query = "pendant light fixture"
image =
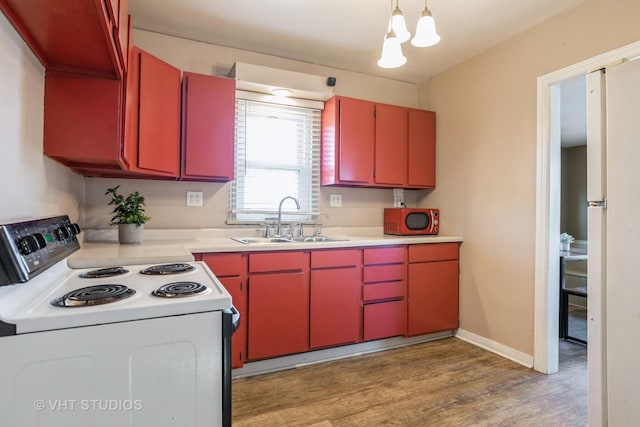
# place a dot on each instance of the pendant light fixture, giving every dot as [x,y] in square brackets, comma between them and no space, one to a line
[399,25]
[392,56]
[397,34]
[426,34]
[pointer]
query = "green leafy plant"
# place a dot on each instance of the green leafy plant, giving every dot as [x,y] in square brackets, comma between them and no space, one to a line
[566,238]
[128,210]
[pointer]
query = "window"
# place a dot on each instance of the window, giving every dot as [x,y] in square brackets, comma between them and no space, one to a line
[277,155]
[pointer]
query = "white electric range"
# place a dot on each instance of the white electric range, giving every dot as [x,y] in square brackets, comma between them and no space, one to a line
[135,345]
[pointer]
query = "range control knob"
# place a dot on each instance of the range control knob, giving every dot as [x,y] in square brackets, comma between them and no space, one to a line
[62,233]
[27,244]
[42,242]
[75,229]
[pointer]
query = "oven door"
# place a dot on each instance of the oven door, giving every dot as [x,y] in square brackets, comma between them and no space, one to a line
[157,372]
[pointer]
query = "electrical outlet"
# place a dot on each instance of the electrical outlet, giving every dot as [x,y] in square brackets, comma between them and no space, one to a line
[335,200]
[194,198]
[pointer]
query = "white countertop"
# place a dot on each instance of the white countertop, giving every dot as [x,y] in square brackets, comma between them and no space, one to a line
[167,246]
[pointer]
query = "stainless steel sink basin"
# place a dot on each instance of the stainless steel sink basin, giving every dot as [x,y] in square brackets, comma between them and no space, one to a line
[319,239]
[261,240]
[269,240]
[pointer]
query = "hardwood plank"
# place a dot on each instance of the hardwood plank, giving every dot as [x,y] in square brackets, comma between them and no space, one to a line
[445,383]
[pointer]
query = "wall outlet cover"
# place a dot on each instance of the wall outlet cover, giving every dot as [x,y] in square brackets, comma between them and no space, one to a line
[194,198]
[335,200]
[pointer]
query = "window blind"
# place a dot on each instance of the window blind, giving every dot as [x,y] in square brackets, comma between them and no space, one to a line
[277,155]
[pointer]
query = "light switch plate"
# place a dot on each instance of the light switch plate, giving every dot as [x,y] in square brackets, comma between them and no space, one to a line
[194,198]
[335,200]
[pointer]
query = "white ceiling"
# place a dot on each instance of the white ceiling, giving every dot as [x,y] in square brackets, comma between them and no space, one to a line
[346,34]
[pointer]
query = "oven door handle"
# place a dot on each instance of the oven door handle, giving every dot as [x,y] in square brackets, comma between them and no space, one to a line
[235,318]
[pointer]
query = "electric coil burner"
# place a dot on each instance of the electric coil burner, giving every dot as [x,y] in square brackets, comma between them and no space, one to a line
[165,269]
[180,289]
[94,295]
[104,272]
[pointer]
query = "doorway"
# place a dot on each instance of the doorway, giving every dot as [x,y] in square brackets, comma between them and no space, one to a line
[548,229]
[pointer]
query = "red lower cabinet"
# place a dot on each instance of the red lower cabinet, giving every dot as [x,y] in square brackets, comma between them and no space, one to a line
[279,315]
[384,291]
[432,288]
[384,319]
[231,269]
[278,304]
[334,313]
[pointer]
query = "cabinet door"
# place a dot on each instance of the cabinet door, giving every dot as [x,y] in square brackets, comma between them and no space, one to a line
[335,307]
[231,269]
[391,145]
[432,297]
[278,315]
[422,149]
[385,319]
[356,141]
[76,36]
[81,119]
[239,340]
[208,127]
[159,116]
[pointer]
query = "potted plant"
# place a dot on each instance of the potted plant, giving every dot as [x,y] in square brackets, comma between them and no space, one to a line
[565,241]
[128,215]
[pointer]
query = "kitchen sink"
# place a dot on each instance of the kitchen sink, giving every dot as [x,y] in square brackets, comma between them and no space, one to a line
[319,239]
[262,240]
[269,240]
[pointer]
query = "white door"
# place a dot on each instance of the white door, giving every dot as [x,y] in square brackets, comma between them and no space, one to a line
[614,285]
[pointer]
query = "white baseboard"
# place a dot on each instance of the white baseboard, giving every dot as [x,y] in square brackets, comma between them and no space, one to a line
[497,348]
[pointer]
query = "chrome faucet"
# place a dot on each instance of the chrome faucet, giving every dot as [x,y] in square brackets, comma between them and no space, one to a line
[279,225]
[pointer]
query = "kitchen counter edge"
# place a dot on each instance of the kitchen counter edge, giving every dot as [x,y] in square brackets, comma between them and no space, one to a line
[108,254]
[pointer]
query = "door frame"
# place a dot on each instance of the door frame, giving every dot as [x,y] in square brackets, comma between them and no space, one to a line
[547,257]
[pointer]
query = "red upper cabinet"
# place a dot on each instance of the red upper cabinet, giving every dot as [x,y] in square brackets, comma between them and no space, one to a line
[208,127]
[153,109]
[347,142]
[365,144]
[391,145]
[81,36]
[96,127]
[421,149]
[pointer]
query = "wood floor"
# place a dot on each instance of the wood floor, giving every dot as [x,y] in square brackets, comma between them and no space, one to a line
[441,383]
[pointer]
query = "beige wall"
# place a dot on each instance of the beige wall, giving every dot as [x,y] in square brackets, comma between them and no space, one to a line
[31,185]
[486,159]
[573,215]
[166,200]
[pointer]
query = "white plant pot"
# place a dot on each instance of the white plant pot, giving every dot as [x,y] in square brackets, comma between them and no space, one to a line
[130,233]
[565,246]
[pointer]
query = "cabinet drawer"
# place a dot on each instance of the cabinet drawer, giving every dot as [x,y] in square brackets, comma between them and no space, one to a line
[278,261]
[433,252]
[384,273]
[337,258]
[382,291]
[386,319]
[384,255]
[224,264]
